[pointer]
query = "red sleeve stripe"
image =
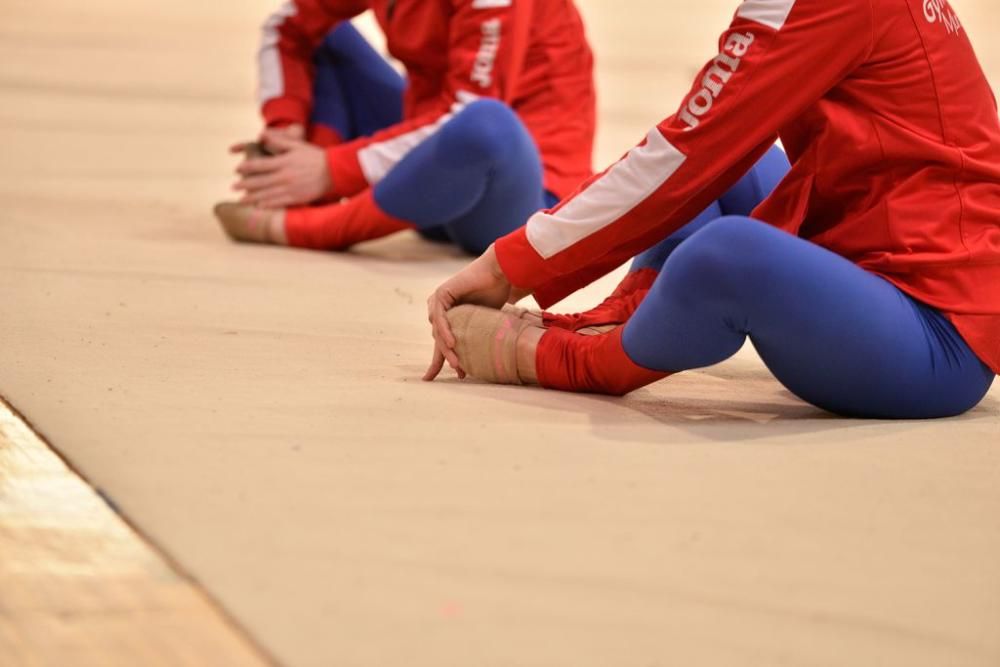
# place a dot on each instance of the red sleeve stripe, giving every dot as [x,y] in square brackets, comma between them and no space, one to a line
[272,78]
[772,13]
[607,199]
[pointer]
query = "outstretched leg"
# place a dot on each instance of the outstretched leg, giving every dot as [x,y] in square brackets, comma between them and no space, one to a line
[741,199]
[479,177]
[835,335]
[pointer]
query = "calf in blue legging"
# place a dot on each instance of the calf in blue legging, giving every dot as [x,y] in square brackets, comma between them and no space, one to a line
[834,334]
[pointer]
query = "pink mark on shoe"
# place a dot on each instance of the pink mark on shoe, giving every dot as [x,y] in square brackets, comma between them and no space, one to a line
[506,328]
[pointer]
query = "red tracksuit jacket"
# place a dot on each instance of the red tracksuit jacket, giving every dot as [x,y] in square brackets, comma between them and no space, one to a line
[532,54]
[893,136]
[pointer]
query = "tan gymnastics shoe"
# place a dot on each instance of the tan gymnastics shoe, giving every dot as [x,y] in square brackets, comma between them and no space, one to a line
[486,342]
[537,318]
[251,224]
[530,316]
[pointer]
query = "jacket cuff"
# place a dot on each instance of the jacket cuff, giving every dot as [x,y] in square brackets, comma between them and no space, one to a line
[282,111]
[345,170]
[523,266]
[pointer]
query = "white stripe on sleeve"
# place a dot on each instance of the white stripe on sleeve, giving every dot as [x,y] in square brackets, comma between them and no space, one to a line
[625,185]
[377,159]
[772,13]
[271,83]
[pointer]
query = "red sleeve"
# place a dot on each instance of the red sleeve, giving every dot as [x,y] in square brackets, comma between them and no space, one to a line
[487,43]
[289,40]
[777,58]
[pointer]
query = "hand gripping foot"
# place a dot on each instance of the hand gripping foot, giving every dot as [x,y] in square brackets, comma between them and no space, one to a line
[486,342]
[246,223]
[250,224]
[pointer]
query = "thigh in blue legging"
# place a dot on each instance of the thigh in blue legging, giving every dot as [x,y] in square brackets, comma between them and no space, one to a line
[355,91]
[834,334]
[741,199]
[479,176]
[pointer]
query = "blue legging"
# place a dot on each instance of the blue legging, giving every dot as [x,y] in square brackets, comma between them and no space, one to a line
[476,179]
[834,334]
[741,199]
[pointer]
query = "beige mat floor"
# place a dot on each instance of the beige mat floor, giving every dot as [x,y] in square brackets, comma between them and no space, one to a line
[258,411]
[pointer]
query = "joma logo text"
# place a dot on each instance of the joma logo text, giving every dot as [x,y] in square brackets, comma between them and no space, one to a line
[718,75]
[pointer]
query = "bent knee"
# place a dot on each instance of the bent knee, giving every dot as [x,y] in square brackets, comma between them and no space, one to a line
[482,131]
[730,251]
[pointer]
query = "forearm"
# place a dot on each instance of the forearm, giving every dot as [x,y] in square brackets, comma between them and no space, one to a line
[766,74]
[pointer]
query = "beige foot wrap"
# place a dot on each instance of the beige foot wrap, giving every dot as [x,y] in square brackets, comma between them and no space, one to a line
[537,318]
[530,316]
[249,224]
[486,342]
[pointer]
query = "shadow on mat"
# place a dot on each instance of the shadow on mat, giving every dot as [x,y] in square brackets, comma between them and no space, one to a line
[734,402]
[407,247]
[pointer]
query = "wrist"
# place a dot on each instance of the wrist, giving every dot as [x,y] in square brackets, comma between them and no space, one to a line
[346,177]
[518,262]
[489,258]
